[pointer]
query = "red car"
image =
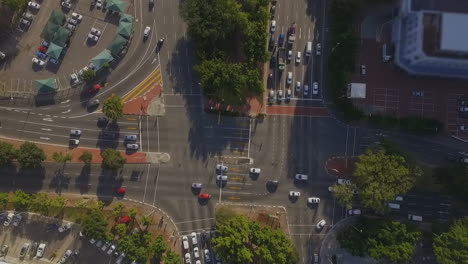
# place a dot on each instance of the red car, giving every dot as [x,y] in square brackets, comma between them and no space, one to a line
[42,49]
[95,88]
[204,196]
[120,190]
[123,220]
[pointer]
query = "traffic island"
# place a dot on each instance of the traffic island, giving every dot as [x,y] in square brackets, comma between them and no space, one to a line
[340,167]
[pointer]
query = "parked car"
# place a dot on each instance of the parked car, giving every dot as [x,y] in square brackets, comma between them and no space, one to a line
[25,22]
[28,16]
[301,177]
[306,90]
[64,227]
[188,259]
[95,32]
[40,250]
[194,238]
[124,220]
[4,250]
[207,255]
[41,55]
[38,61]
[66,4]
[185,242]
[120,191]
[24,249]
[93,103]
[120,258]
[9,219]
[273,26]
[196,252]
[34,5]
[321,224]
[77,16]
[298,87]
[298,57]
[105,246]
[294,194]
[74,79]
[111,249]
[33,250]
[363,70]
[318,49]
[65,257]
[72,21]
[221,167]
[93,37]
[74,141]
[71,27]
[17,220]
[99,3]
[100,242]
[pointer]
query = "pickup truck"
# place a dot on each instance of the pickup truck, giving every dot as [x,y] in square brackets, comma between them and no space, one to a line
[281,57]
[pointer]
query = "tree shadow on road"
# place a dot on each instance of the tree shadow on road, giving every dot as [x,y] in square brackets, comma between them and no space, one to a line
[82,181]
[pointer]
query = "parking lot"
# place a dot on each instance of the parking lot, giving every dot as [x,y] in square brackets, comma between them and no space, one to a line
[34,230]
[18,73]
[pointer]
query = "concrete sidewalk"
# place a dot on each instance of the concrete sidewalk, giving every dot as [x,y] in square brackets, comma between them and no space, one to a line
[49,149]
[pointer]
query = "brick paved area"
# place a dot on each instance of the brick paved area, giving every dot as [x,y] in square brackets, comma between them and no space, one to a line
[297,111]
[139,105]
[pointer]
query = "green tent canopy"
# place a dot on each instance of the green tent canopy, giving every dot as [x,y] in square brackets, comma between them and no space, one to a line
[125,29]
[117,45]
[49,31]
[126,18]
[117,5]
[61,36]
[101,59]
[57,17]
[46,85]
[54,51]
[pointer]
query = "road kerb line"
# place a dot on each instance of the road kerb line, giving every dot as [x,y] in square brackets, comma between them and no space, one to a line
[141,84]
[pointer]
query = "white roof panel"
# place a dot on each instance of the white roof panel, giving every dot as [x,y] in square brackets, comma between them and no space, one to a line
[454,35]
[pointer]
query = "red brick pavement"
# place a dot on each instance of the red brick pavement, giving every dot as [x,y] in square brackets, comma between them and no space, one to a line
[139,105]
[341,167]
[252,108]
[297,111]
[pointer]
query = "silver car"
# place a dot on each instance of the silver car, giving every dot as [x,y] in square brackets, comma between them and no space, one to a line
[75,132]
[222,167]
[130,137]
[132,146]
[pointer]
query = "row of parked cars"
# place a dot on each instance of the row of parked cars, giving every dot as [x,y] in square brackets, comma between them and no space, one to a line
[109,248]
[36,250]
[205,238]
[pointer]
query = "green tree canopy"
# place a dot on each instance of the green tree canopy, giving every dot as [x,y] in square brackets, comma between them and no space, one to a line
[4,198]
[59,157]
[113,107]
[136,246]
[89,75]
[112,159]
[86,157]
[381,177]
[452,247]
[121,230]
[380,239]
[40,203]
[157,248]
[94,224]
[343,193]
[21,200]
[241,241]
[172,258]
[30,155]
[7,154]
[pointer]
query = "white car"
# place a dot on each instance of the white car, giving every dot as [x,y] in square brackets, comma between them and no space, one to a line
[71,27]
[187,258]
[273,26]
[146,32]
[196,253]
[185,242]
[194,238]
[93,37]
[288,94]
[221,177]
[75,132]
[289,55]
[132,146]
[343,181]
[9,219]
[315,88]
[222,167]
[25,22]
[40,250]
[301,177]
[306,90]
[313,200]
[105,246]
[321,224]
[17,220]
[92,241]
[99,3]
[74,78]
[354,212]
[363,70]
[111,249]
[38,61]
[207,255]
[289,79]
[80,73]
[64,227]
[34,5]
[66,4]
[95,32]
[65,257]
[298,57]
[298,87]
[279,96]
[294,194]
[255,170]
[196,185]
[77,16]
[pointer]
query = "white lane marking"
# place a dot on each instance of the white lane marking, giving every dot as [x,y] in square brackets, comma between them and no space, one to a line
[45,138]
[246,193]
[46,129]
[191,221]
[66,101]
[154,60]
[71,127]
[48,119]
[68,111]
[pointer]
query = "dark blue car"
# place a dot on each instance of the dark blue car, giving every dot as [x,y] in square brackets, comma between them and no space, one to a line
[41,55]
[281,39]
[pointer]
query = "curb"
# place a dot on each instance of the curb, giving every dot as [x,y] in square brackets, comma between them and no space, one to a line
[459,139]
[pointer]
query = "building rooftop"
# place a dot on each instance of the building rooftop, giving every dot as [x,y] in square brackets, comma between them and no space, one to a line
[454,32]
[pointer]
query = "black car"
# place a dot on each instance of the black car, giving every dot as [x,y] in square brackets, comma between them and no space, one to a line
[272,43]
[102,121]
[273,61]
[32,251]
[108,135]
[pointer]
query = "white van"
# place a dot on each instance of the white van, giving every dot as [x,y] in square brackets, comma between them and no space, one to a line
[309,48]
[417,218]
[394,205]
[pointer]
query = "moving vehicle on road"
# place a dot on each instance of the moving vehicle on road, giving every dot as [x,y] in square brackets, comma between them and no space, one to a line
[75,132]
[298,87]
[222,177]
[289,79]
[313,200]
[132,146]
[315,88]
[93,103]
[318,49]
[130,137]
[343,181]
[255,170]
[120,191]
[301,177]
[146,32]
[196,185]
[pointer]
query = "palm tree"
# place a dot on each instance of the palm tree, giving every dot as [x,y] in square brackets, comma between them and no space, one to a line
[113,107]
